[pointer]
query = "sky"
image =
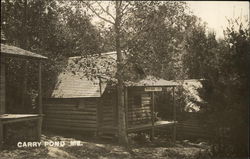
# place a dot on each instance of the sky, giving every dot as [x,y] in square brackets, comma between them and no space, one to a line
[215,13]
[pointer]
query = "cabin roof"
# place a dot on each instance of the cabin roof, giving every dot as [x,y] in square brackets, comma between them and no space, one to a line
[154,82]
[75,85]
[16,51]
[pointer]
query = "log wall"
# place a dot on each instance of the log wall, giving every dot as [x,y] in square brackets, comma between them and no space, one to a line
[108,111]
[71,114]
[139,114]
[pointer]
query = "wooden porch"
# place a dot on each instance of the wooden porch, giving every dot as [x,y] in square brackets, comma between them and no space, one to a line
[12,118]
[140,114]
[10,52]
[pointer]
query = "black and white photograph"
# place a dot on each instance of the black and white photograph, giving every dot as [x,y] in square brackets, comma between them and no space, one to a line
[82,79]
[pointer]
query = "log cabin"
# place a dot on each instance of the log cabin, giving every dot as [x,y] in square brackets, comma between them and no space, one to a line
[8,51]
[78,103]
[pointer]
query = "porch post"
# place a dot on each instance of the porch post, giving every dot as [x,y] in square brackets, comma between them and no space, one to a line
[152,117]
[40,89]
[2,97]
[2,86]
[40,109]
[174,116]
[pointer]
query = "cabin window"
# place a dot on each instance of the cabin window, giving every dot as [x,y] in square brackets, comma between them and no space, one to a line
[81,104]
[137,101]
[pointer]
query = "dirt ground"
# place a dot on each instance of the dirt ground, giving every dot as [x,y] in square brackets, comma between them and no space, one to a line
[90,148]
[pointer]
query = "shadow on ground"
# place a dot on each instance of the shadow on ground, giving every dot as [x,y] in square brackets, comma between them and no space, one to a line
[92,148]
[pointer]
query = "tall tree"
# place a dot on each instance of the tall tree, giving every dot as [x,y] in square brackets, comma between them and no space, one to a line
[150,32]
[115,19]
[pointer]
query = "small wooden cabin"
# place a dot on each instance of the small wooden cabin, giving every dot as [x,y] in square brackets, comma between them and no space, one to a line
[8,51]
[85,105]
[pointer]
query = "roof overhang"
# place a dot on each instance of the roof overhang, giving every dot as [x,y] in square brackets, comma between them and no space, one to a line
[151,81]
[13,51]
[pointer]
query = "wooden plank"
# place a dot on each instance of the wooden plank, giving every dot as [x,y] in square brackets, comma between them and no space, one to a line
[17,116]
[20,120]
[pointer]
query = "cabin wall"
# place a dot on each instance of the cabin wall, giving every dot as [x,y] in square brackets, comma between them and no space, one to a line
[72,114]
[139,106]
[2,86]
[108,108]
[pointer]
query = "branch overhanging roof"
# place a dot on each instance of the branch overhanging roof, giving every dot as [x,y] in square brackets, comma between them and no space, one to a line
[70,85]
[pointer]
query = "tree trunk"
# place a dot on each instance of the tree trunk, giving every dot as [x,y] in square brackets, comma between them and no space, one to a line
[122,134]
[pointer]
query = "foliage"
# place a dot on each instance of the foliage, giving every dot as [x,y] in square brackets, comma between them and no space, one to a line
[152,36]
[224,64]
[199,46]
[94,67]
[158,30]
[50,28]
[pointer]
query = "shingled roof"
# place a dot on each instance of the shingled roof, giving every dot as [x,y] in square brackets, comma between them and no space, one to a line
[73,85]
[16,51]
